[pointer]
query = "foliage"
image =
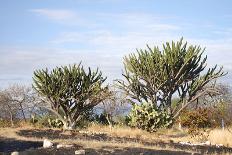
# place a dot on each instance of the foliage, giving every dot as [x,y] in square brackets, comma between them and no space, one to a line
[102,119]
[55,123]
[49,121]
[121,120]
[222,111]
[148,117]
[219,105]
[5,123]
[196,120]
[71,91]
[115,105]
[40,121]
[154,75]
[17,102]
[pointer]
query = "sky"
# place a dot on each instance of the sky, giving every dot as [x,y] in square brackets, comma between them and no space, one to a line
[99,33]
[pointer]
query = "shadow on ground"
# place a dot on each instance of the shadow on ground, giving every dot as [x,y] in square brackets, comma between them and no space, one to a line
[105,151]
[54,134]
[10,145]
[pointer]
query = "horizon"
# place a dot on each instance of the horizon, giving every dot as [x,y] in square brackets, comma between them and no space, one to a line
[36,35]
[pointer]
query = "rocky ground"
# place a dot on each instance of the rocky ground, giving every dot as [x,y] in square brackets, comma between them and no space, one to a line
[30,141]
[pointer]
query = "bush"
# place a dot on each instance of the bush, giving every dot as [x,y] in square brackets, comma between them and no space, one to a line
[221,111]
[101,119]
[49,121]
[197,120]
[55,123]
[5,123]
[121,120]
[147,117]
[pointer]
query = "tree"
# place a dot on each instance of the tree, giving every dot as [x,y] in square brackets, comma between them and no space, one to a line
[154,75]
[8,110]
[115,105]
[71,91]
[17,101]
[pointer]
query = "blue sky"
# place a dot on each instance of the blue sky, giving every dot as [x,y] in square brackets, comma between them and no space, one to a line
[46,33]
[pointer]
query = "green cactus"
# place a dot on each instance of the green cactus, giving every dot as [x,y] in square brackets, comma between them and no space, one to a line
[149,118]
[55,123]
[154,75]
[71,91]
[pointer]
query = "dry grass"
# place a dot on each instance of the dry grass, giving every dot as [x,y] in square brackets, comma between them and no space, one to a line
[165,135]
[106,144]
[119,131]
[219,136]
[216,136]
[97,145]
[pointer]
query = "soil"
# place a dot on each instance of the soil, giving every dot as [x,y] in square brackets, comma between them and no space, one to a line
[8,145]
[31,147]
[105,151]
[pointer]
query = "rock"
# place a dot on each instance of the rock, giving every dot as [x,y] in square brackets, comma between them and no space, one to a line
[196,144]
[67,133]
[206,143]
[219,145]
[47,143]
[15,153]
[185,143]
[80,152]
[84,132]
[64,146]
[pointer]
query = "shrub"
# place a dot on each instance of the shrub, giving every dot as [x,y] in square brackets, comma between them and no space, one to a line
[121,120]
[55,123]
[196,120]
[221,111]
[5,123]
[101,119]
[49,121]
[149,118]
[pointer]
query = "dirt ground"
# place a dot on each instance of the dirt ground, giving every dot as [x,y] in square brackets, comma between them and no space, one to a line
[29,141]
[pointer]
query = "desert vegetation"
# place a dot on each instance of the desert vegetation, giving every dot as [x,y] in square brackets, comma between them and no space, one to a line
[167,96]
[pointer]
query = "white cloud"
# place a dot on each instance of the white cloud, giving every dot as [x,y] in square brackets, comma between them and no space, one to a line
[116,35]
[19,63]
[132,31]
[55,14]
[66,17]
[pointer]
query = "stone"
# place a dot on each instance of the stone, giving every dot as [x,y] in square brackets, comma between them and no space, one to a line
[67,133]
[47,143]
[80,152]
[219,145]
[185,143]
[15,153]
[206,143]
[64,146]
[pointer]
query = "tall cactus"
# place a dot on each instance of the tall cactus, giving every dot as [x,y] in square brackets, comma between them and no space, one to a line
[154,75]
[71,91]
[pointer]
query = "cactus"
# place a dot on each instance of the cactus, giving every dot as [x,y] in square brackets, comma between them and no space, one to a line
[55,123]
[147,117]
[71,91]
[154,75]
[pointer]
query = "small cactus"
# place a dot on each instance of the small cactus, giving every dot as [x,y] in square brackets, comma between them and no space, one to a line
[147,117]
[55,123]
